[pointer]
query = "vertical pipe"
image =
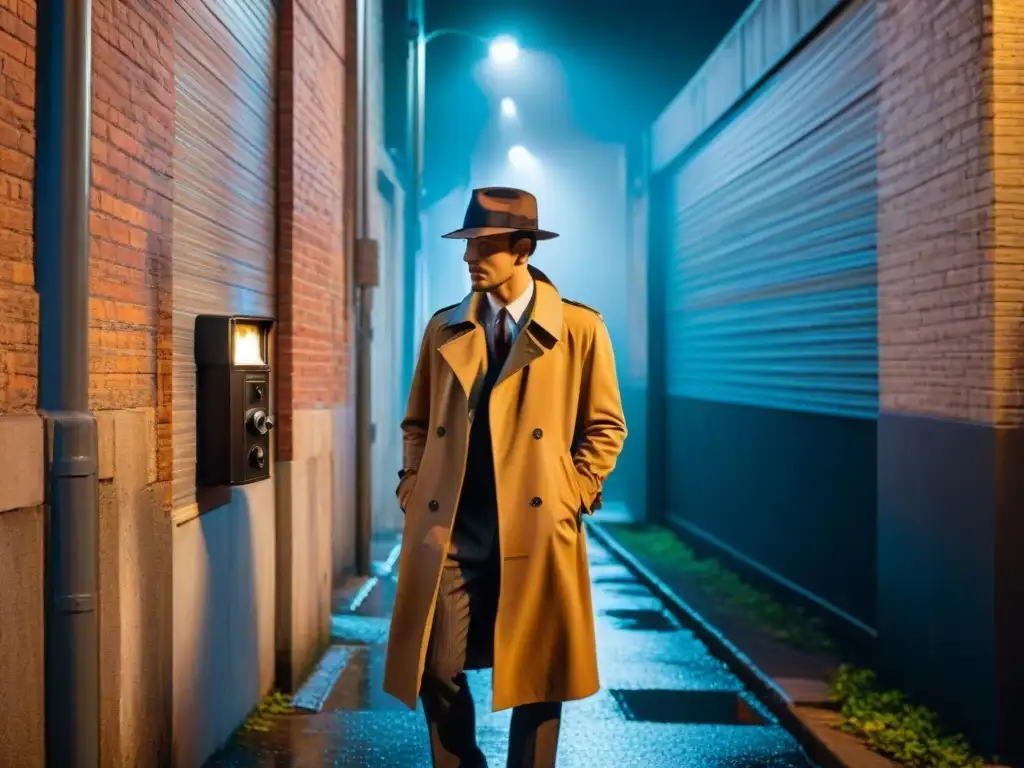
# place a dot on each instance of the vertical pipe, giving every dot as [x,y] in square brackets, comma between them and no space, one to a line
[414,61]
[364,318]
[421,115]
[61,212]
[364,436]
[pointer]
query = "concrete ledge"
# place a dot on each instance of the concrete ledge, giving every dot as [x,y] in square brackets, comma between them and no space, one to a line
[22,452]
[21,637]
[21,456]
[808,725]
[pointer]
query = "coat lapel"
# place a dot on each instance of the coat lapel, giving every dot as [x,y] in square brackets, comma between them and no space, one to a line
[542,332]
[465,348]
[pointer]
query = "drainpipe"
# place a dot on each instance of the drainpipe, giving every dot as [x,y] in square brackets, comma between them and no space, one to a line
[62,185]
[414,113]
[366,277]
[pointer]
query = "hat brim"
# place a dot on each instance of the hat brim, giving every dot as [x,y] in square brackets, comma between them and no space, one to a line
[474,232]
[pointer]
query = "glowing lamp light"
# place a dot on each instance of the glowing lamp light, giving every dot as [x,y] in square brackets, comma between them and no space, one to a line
[519,155]
[247,345]
[504,50]
[508,107]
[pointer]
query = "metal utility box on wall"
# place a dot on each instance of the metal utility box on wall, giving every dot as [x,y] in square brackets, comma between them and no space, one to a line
[233,417]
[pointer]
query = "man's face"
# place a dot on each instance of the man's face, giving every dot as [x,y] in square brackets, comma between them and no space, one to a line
[492,261]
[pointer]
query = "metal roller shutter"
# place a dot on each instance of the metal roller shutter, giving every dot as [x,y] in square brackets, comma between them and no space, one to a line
[771,283]
[224,174]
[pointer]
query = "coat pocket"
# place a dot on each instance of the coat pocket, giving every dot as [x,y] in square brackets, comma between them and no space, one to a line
[573,493]
[405,489]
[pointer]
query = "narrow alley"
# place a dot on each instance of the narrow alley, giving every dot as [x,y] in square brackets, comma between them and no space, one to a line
[665,701]
[740,284]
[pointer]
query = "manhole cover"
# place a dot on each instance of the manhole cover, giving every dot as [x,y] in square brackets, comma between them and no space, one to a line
[642,619]
[681,707]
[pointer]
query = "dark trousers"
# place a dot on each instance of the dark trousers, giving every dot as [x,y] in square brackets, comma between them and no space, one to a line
[461,638]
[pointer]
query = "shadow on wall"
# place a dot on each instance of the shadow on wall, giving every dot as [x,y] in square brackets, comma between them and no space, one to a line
[220,673]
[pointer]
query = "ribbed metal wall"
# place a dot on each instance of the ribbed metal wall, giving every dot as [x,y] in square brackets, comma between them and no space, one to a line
[771,289]
[224,174]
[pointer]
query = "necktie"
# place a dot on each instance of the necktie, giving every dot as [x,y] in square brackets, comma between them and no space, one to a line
[502,335]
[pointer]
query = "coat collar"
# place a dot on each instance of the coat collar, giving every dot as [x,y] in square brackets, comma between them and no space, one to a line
[547,307]
[464,346]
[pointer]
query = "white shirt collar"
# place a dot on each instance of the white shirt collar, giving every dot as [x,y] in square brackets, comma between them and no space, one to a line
[516,307]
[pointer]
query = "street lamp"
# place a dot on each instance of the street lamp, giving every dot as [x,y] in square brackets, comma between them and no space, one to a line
[502,50]
[508,107]
[519,156]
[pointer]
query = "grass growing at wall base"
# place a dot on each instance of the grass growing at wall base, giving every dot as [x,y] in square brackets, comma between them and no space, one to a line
[273,705]
[884,720]
[905,732]
[789,624]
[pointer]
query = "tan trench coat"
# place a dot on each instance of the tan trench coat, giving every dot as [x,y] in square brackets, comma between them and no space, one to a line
[558,388]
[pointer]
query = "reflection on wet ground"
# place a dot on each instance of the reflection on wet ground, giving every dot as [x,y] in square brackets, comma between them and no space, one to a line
[665,701]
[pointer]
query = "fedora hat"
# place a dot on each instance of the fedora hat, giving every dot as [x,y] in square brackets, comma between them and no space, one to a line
[498,210]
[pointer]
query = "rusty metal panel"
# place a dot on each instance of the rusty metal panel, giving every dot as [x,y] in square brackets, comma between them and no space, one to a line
[224,196]
[771,290]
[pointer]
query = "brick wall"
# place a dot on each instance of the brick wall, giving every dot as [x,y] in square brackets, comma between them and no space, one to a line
[313,328]
[131,204]
[130,224]
[1007,111]
[936,277]
[18,304]
[951,301]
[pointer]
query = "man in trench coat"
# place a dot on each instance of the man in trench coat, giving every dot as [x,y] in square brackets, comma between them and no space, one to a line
[514,421]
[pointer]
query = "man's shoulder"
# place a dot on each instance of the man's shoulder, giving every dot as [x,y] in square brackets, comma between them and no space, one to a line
[443,312]
[578,313]
[438,320]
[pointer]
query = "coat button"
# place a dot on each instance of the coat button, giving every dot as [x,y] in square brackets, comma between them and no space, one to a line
[433,505]
[538,434]
[535,501]
[440,431]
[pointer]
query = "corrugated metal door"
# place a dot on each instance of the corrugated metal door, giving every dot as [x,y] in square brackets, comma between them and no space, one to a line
[224,200]
[772,295]
[770,321]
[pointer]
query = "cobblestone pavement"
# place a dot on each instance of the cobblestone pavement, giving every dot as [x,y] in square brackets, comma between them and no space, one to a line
[665,701]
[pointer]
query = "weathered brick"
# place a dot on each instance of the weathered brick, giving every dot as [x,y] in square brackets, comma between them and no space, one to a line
[936,210]
[313,307]
[18,305]
[951,273]
[131,218]
[1007,110]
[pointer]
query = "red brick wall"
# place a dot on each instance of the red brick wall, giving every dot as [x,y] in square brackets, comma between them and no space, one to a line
[1008,159]
[131,208]
[936,282]
[312,336]
[133,134]
[133,123]
[18,305]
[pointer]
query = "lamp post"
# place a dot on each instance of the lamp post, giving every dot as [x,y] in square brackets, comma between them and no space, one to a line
[502,50]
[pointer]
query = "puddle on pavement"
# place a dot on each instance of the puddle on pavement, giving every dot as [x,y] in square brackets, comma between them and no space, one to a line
[624,583]
[352,629]
[642,620]
[695,707]
[360,687]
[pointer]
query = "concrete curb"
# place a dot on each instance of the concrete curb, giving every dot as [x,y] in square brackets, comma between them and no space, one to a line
[760,684]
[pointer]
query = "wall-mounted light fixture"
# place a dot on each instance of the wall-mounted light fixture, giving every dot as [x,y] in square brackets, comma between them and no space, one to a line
[233,415]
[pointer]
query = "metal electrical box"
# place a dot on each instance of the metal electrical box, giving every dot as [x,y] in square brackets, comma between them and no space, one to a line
[233,399]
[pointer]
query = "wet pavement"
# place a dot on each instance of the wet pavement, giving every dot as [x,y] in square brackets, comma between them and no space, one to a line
[665,701]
